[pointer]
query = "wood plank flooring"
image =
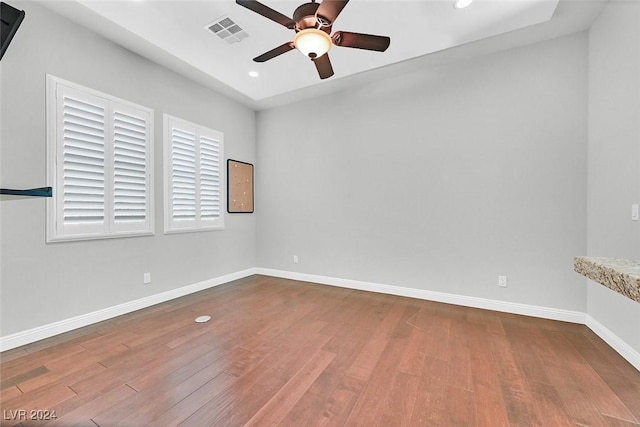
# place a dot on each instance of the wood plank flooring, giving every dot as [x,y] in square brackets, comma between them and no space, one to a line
[281,352]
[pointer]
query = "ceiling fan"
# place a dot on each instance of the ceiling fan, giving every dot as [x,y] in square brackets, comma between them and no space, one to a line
[312,23]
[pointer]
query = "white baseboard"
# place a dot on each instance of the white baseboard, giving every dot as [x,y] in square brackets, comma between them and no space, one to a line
[624,349]
[467,301]
[26,337]
[619,345]
[32,335]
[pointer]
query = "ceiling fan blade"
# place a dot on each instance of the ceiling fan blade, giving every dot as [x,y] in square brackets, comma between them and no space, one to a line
[274,52]
[267,12]
[361,41]
[330,9]
[323,65]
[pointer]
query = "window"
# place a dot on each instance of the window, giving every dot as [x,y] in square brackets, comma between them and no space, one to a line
[193,177]
[99,151]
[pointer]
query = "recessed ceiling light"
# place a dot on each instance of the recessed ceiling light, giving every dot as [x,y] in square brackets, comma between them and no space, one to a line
[461,4]
[253,74]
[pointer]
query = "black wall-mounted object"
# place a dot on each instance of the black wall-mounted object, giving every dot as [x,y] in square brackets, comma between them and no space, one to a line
[11,19]
[32,192]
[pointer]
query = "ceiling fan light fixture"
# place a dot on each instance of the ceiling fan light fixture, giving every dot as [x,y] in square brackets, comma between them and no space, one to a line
[313,43]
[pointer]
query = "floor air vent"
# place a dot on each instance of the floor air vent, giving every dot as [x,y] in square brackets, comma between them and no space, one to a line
[227,30]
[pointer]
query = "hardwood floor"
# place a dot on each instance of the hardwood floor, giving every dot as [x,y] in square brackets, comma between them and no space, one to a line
[280,352]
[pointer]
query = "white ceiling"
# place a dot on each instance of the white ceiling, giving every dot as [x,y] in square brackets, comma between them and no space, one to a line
[173,33]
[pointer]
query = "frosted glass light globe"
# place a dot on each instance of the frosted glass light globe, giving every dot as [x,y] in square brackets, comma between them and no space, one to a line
[312,43]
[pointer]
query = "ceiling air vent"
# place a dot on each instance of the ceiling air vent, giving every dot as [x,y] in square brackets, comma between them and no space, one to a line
[227,30]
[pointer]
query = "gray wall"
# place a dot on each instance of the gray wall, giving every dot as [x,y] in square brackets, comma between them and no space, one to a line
[441,179]
[614,158]
[44,283]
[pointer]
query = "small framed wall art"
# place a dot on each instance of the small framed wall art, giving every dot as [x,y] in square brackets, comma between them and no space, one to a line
[239,187]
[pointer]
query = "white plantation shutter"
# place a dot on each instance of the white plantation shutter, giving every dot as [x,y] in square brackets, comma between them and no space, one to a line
[193,181]
[129,167]
[82,190]
[209,178]
[100,157]
[183,175]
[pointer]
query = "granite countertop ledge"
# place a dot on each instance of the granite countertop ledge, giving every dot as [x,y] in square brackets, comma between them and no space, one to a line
[620,275]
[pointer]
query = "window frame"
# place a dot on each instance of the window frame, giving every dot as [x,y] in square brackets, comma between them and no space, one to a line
[198,224]
[56,229]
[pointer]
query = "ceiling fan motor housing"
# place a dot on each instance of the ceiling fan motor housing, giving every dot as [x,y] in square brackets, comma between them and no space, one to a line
[305,17]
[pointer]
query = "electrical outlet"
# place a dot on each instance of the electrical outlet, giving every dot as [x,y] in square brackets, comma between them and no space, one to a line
[635,216]
[146,278]
[502,281]
[295,259]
